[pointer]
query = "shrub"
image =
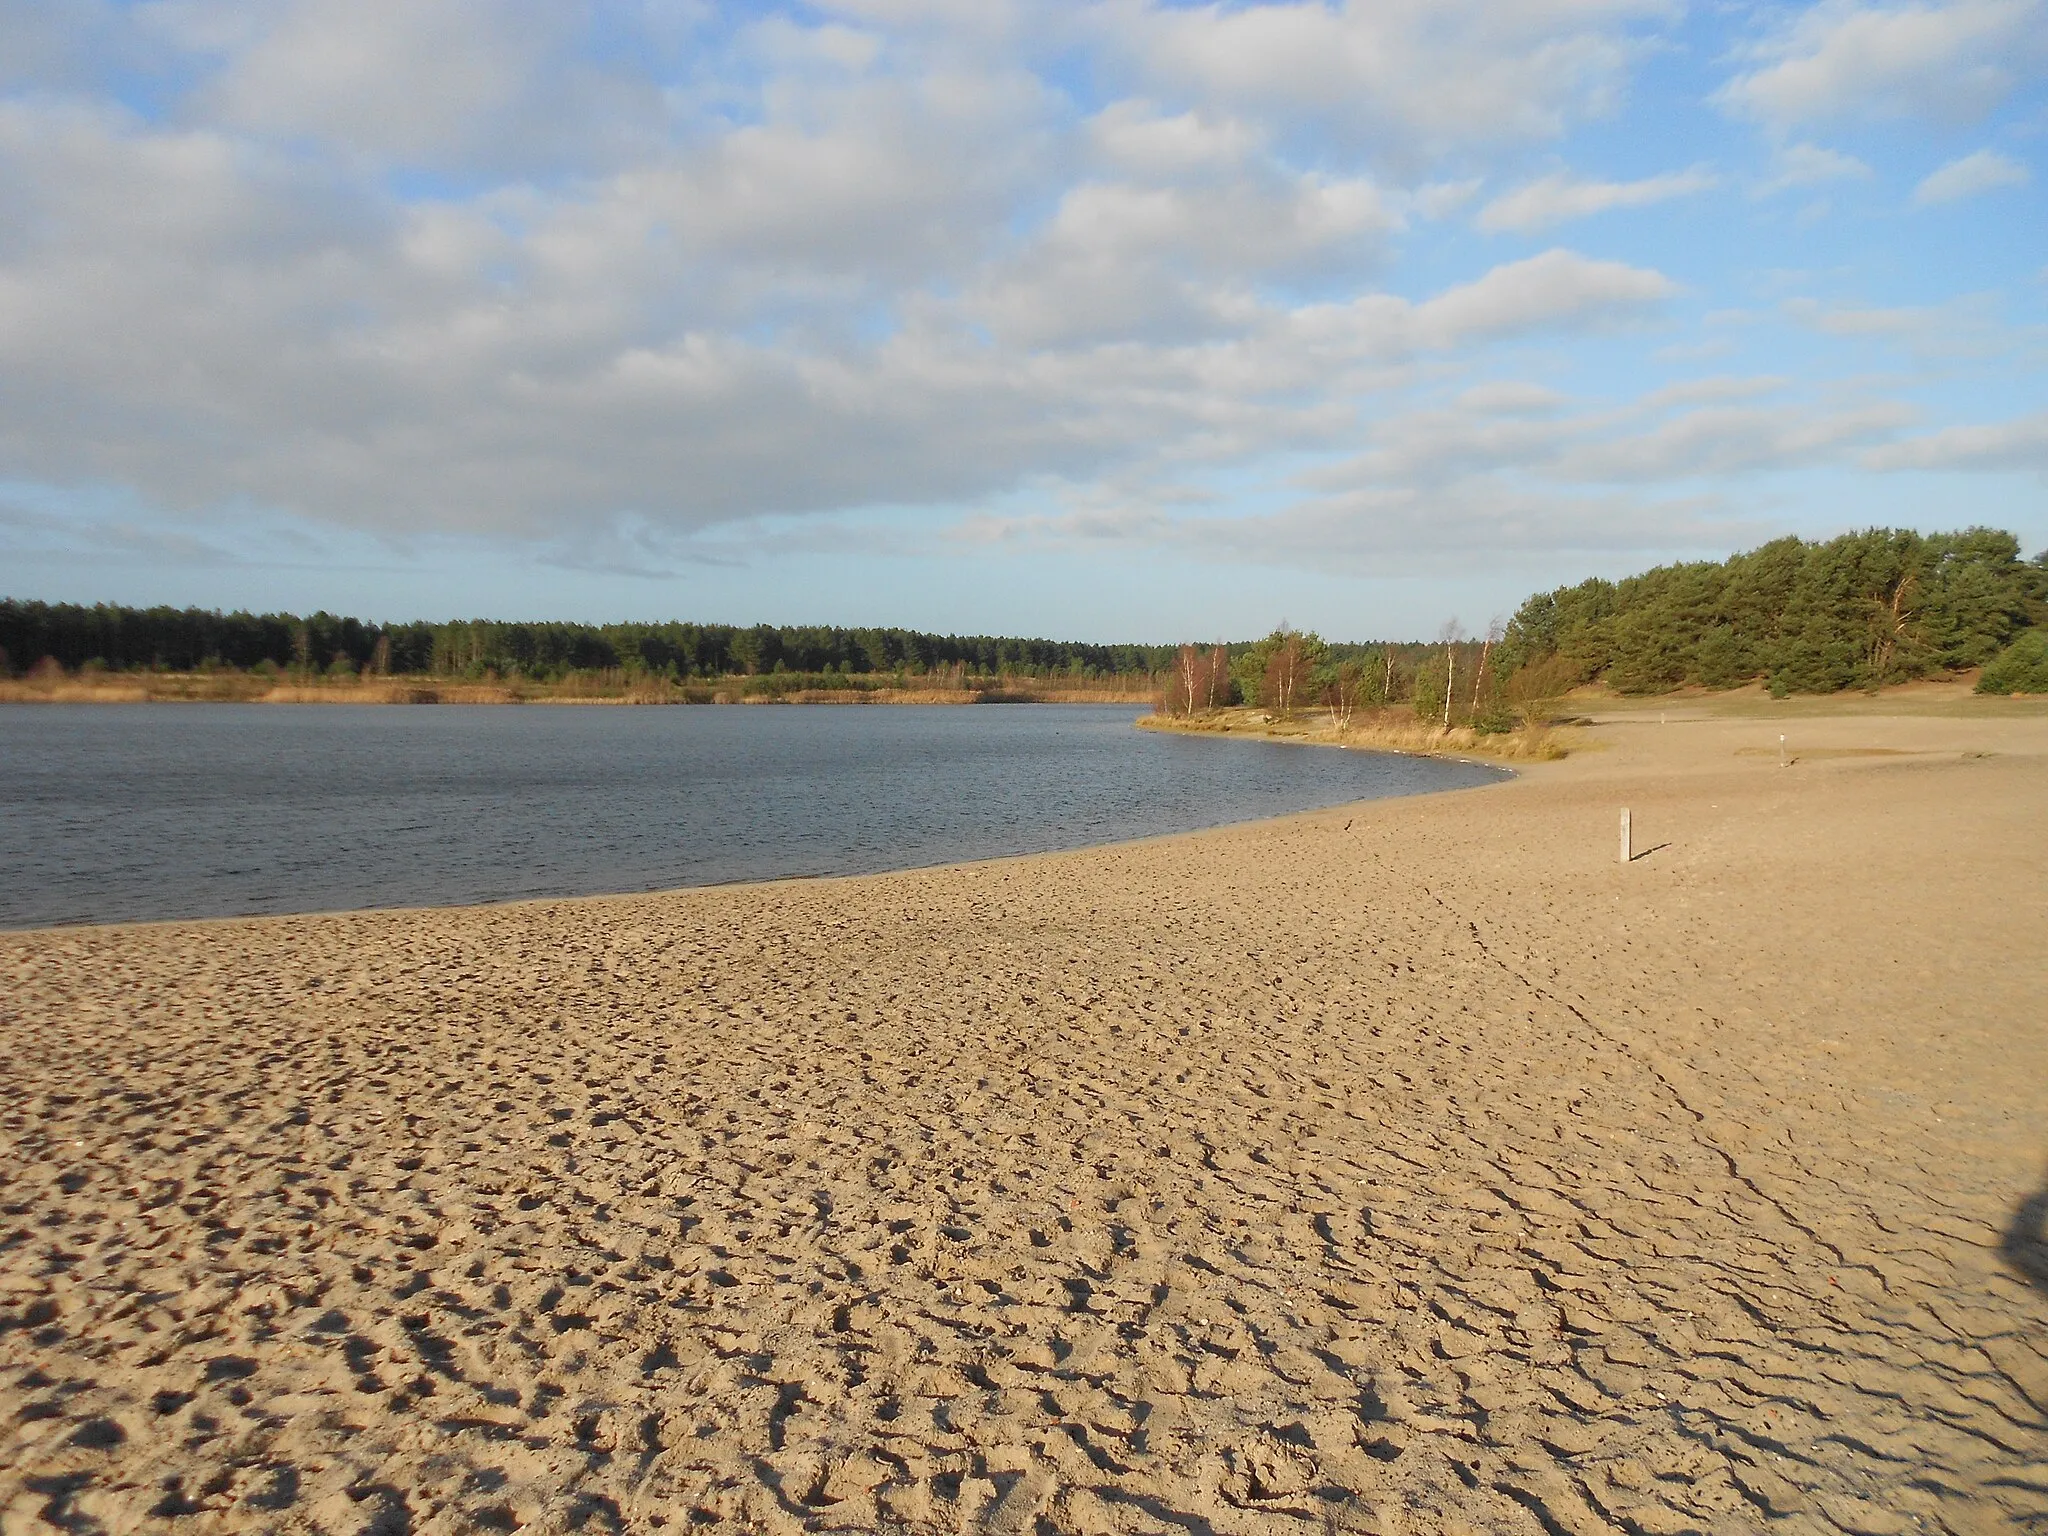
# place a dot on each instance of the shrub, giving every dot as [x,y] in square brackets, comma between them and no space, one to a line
[2021,667]
[1534,691]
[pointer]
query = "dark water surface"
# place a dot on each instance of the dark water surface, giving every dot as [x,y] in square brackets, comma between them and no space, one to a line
[120,812]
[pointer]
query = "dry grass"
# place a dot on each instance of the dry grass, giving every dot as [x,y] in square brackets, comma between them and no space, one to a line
[51,687]
[860,696]
[1388,731]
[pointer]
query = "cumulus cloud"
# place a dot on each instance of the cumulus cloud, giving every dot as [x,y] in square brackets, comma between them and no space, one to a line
[1136,137]
[205,320]
[1718,387]
[1697,429]
[1408,79]
[460,85]
[51,44]
[1479,522]
[410,80]
[868,274]
[1846,59]
[1984,171]
[1556,198]
[1510,397]
[646,286]
[1721,441]
[1123,259]
[1559,287]
[1441,199]
[2018,444]
[1966,327]
[1805,165]
[1385,530]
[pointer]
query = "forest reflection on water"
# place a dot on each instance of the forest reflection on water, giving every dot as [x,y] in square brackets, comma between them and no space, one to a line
[134,812]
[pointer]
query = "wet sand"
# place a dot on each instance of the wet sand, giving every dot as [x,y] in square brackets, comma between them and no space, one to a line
[1411,1167]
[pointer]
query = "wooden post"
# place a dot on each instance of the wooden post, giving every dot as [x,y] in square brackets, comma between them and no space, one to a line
[1626,854]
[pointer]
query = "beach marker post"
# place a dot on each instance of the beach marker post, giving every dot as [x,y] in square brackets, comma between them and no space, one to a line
[1627,857]
[1781,749]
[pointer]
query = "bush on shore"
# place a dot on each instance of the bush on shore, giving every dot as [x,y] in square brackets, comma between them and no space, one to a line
[2021,667]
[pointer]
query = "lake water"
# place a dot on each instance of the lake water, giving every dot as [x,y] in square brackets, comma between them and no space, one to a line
[122,812]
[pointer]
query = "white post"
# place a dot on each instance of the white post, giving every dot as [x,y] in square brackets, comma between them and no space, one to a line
[1626,856]
[1781,751]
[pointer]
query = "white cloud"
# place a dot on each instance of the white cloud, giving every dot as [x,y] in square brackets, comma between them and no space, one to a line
[1556,198]
[1135,137]
[1445,445]
[1510,397]
[1404,78]
[1849,59]
[50,44]
[1441,199]
[1119,260]
[1984,171]
[1483,521]
[2018,444]
[185,313]
[1717,388]
[1558,287]
[1384,530]
[421,83]
[1699,429]
[1806,165]
[1966,327]
[458,269]
[1719,441]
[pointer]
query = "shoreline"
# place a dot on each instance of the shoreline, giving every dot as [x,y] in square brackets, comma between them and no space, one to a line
[1390,1166]
[183,688]
[1396,732]
[1396,729]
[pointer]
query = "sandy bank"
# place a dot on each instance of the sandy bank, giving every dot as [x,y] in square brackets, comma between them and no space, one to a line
[1378,731]
[1410,1167]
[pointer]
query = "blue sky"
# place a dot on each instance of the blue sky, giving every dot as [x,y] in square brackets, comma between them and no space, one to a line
[1109,320]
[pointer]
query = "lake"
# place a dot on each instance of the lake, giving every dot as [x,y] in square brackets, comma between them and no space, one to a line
[114,813]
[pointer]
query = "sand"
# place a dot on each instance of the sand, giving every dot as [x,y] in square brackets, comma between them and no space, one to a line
[1411,1167]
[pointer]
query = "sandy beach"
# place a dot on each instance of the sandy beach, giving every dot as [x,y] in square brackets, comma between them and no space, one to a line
[1411,1167]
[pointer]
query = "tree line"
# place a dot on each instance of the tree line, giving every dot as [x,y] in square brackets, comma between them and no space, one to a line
[1880,606]
[1862,610]
[1452,681]
[1868,608]
[196,639]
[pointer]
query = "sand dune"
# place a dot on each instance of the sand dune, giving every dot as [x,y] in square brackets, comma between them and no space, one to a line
[1412,1167]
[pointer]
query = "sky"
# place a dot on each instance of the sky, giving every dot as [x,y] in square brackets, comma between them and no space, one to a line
[1105,320]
